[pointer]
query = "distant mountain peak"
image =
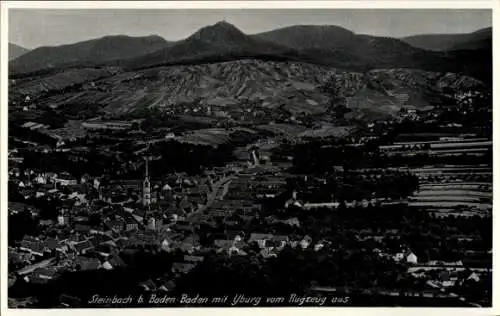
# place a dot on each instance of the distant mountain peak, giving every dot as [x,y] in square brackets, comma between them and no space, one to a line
[224,22]
[220,30]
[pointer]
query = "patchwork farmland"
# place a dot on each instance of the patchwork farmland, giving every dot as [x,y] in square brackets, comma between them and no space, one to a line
[447,191]
[458,190]
[442,147]
[454,172]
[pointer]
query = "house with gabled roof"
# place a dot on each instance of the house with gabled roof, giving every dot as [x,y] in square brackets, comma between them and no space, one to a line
[123,242]
[148,285]
[55,245]
[235,235]
[223,244]
[36,279]
[131,224]
[82,247]
[16,257]
[183,226]
[100,238]
[411,258]
[104,250]
[75,238]
[35,248]
[116,225]
[116,261]
[283,239]
[474,277]
[273,244]
[28,238]
[269,253]
[167,286]
[305,242]
[45,273]
[85,264]
[260,239]
[193,259]
[82,229]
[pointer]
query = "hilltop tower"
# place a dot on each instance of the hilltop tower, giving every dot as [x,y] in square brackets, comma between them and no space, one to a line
[146,187]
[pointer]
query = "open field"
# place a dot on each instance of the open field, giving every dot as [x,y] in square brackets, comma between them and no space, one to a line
[212,137]
[328,131]
[216,136]
[447,205]
[444,198]
[440,145]
[439,141]
[450,192]
[287,130]
[450,169]
[461,144]
[457,185]
[59,81]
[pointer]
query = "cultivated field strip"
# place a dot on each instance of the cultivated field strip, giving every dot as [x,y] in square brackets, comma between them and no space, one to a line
[416,143]
[451,169]
[434,205]
[445,198]
[61,80]
[454,191]
[443,193]
[458,185]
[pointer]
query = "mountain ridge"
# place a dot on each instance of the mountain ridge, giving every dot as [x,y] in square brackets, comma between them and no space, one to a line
[446,42]
[88,53]
[323,45]
[220,41]
[16,51]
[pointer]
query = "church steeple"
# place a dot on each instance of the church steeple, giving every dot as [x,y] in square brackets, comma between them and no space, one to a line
[146,186]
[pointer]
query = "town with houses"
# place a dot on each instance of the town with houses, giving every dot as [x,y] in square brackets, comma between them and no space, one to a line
[229,169]
[87,223]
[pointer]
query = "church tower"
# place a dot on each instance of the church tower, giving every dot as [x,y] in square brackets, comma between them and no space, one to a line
[255,158]
[146,187]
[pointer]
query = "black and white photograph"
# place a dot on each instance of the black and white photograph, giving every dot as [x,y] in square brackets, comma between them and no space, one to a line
[242,158]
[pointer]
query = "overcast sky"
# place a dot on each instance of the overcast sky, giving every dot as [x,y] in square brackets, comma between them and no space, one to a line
[32,28]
